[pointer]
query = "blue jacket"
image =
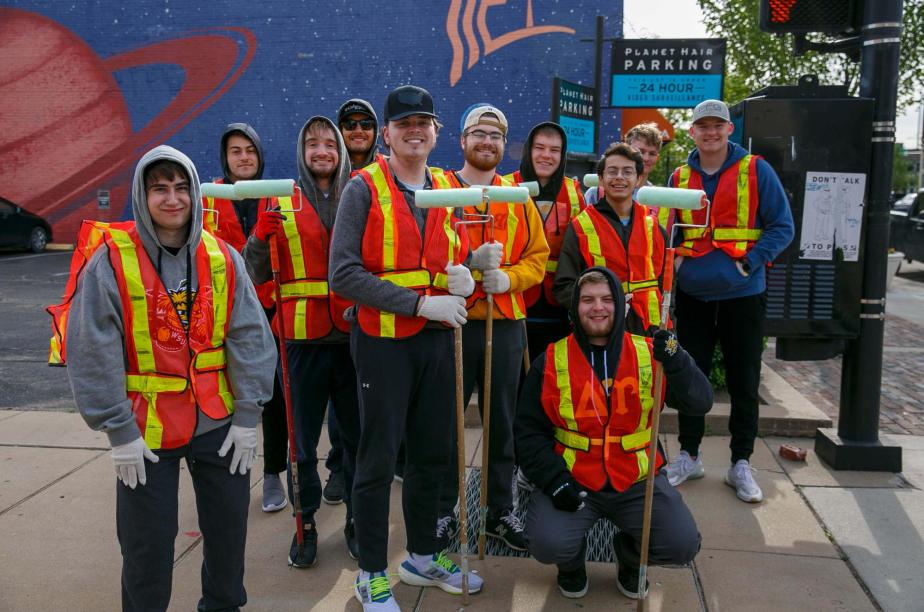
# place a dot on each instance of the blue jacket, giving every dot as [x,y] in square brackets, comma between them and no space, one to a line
[714,276]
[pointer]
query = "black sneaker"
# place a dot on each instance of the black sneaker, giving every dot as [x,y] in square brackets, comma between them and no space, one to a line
[349,533]
[627,556]
[334,489]
[507,527]
[573,584]
[309,552]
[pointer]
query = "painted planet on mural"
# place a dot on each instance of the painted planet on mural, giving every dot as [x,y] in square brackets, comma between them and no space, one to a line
[64,113]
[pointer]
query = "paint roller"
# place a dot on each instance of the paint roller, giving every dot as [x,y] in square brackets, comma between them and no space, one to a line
[672,197]
[217,190]
[469,196]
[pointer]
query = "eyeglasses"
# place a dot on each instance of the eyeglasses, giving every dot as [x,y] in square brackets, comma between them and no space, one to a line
[481,135]
[350,124]
[617,172]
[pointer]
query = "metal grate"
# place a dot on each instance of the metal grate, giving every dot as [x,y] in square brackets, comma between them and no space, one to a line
[599,538]
[801,291]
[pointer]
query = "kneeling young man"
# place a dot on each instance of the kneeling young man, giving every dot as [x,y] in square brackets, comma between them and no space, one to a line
[582,431]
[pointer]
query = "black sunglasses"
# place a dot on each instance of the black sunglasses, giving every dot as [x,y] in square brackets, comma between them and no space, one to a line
[350,124]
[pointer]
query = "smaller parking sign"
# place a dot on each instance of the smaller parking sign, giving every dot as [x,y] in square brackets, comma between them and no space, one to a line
[574,109]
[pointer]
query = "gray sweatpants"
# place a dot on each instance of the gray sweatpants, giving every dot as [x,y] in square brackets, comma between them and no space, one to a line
[557,537]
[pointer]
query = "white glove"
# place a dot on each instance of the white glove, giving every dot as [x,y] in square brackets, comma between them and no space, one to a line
[496,281]
[460,280]
[129,462]
[244,440]
[446,308]
[487,256]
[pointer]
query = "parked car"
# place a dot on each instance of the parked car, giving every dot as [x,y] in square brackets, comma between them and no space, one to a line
[904,202]
[906,227]
[20,228]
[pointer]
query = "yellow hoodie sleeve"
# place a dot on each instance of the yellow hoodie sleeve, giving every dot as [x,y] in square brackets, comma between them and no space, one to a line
[530,269]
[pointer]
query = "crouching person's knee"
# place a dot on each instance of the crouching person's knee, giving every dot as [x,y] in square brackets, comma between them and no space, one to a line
[554,537]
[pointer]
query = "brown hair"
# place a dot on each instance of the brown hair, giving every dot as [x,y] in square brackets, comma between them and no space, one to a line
[163,169]
[317,126]
[621,148]
[647,133]
[594,277]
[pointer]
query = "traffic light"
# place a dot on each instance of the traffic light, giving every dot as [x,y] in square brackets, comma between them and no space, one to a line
[831,16]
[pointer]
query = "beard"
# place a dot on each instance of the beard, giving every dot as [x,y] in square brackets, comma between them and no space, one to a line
[474,158]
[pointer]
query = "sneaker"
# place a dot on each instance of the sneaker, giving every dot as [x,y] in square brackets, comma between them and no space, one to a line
[625,548]
[274,495]
[374,592]
[349,533]
[627,582]
[437,570]
[334,489]
[684,468]
[309,552]
[741,477]
[507,527]
[447,528]
[573,584]
[523,483]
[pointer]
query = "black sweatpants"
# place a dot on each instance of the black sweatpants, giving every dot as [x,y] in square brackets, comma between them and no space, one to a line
[318,373]
[275,433]
[509,342]
[737,325]
[406,391]
[556,536]
[147,525]
[334,461]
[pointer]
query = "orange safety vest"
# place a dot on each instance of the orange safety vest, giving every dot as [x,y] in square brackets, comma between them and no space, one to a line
[568,205]
[310,309]
[394,250]
[601,440]
[639,269]
[511,229]
[89,238]
[225,225]
[734,211]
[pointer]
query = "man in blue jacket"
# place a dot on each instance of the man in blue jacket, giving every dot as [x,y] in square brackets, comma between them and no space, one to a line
[721,282]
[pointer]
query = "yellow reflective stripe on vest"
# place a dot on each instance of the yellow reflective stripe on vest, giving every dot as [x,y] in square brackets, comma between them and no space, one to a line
[733,233]
[293,240]
[138,301]
[388,218]
[664,214]
[643,356]
[209,220]
[744,200]
[635,441]
[438,176]
[413,278]
[565,403]
[215,358]
[219,276]
[572,439]
[593,240]
[648,284]
[155,383]
[304,289]
[649,235]
[573,197]
[441,281]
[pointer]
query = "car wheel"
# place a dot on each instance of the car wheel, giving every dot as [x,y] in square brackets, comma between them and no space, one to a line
[38,240]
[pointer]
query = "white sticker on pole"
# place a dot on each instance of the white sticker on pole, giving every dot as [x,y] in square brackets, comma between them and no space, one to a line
[832,215]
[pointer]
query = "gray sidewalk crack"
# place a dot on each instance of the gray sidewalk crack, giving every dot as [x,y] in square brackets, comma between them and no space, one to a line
[50,484]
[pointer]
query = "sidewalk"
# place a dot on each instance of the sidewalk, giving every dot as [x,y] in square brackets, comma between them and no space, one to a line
[821,540]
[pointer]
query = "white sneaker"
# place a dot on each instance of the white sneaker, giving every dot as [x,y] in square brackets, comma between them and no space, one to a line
[438,570]
[683,468]
[374,592]
[741,477]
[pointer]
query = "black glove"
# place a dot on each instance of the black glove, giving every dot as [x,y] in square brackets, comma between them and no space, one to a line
[666,347]
[568,497]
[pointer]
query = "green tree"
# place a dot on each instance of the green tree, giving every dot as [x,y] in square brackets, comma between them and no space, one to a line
[903,180]
[756,59]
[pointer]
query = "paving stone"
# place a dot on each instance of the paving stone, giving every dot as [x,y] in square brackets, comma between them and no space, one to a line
[816,473]
[739,581]
[60,429]
[25,470]
[716,454]
[881,532]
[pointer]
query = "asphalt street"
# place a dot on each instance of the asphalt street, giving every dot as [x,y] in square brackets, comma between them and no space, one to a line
[28,283]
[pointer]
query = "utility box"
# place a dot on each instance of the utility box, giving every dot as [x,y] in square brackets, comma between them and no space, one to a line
[817,138]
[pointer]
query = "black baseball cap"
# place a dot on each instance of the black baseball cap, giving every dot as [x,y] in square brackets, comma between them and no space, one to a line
[355,106]
[408,100]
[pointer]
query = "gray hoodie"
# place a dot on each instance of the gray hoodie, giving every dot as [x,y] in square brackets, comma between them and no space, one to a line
[95,330]
[256,252]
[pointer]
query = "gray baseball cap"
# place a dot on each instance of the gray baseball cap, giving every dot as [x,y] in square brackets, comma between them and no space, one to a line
[711,108]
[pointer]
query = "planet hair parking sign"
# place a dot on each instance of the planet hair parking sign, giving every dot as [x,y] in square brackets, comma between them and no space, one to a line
[89,86]
[574,109]
[664,73]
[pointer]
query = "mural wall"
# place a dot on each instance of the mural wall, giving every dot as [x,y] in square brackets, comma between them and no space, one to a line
[88,86]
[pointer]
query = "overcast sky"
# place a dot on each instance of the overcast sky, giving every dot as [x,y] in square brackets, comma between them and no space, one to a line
[682,19]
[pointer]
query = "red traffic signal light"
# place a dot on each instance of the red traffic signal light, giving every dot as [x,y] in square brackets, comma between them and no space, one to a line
[831,16]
